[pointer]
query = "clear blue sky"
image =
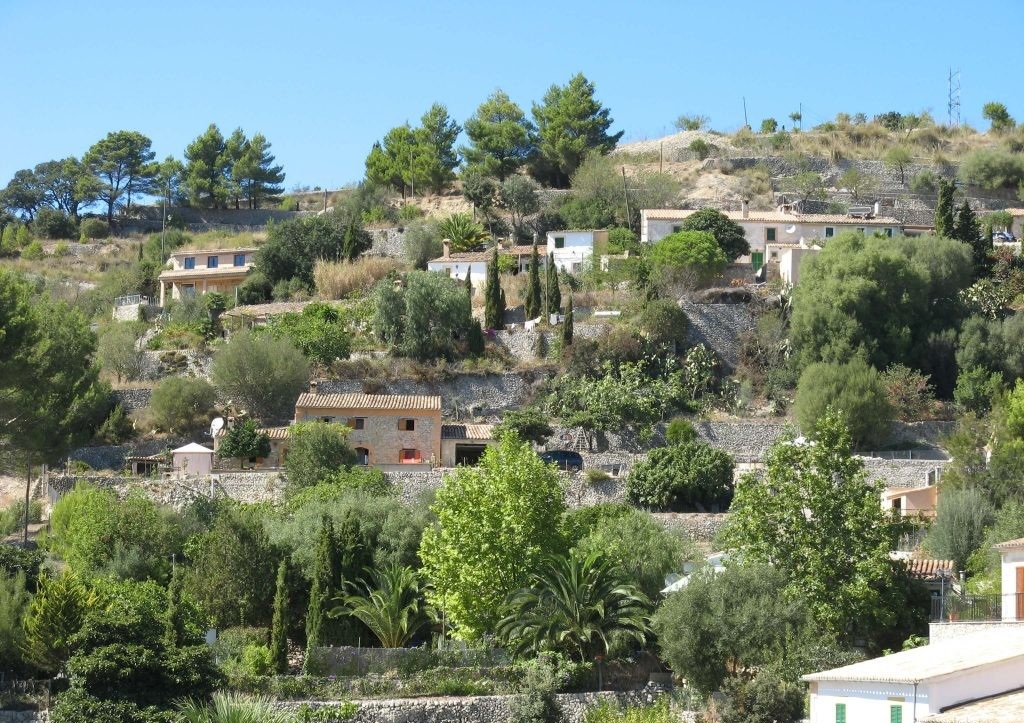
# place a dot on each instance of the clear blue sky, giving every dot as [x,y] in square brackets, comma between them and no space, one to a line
[323,80]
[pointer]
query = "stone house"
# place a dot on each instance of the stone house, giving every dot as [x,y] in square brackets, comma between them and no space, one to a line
[388,431]
[767,232]
[279,438]
[201,272]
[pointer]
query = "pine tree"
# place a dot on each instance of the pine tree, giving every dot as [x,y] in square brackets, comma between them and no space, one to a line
[532,303]
[967,228]
[568,322]
[944,224]
[279,623]
[554,301]
[494,308]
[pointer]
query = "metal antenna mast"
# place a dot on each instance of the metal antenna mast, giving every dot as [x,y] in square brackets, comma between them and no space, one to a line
[954,97]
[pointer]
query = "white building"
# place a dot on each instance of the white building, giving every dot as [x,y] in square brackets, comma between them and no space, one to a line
[192,459]
[1011,579]
[783,227]
[457,265]
[911,685]
[571,250]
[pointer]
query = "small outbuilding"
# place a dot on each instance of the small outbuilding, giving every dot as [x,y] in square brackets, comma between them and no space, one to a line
[913,684]
[463,444]
[192,459]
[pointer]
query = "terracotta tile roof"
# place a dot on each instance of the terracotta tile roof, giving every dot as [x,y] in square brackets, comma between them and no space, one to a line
[276,434]
[777,217]
[480,432]
[368,401]
[463,257]
[1010,545]
[928,569]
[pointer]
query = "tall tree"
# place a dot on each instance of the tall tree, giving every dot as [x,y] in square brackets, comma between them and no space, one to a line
[168,181]
[279,622]
[23,194]
[205,169]
[234,147]
[967,226]
[66,184]
[568,322]
[817,517]
[729,235]
[391,162]
[533,298]
[255,174]
[435,147]
[495,523]
[553,300]
[123,163]
[500,137]
[944,223]
[519,196]
[571,123]
[495,309]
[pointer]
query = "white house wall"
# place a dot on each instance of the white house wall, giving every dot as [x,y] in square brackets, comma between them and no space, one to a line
[1010,561]
[869,701]
[458,271]
[976,683]
[578,246]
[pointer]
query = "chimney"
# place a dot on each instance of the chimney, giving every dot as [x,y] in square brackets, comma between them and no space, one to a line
[446,243]
[744,208]
[876,208]
[313,387]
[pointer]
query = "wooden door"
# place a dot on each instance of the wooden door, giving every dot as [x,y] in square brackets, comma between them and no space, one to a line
[1018,593]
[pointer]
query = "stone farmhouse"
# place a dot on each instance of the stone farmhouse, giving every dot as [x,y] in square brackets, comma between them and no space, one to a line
[457,265]
[387,430]
[200,272]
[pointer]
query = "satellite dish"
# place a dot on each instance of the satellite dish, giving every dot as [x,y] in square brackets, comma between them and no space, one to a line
[791,229]
[216,425]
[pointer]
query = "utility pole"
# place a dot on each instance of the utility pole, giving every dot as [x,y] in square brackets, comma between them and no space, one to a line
[744,105]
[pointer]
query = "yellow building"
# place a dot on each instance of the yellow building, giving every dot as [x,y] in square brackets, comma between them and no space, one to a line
[201,272]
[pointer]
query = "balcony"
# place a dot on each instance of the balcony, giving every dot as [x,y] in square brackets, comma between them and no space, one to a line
[976,608]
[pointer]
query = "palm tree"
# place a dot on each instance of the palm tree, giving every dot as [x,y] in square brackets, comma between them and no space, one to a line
[393,606]
[231,707]
[574,605]
[463,231]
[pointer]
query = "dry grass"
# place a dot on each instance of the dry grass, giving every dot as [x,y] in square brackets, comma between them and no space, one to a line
[224,240]
[337,280]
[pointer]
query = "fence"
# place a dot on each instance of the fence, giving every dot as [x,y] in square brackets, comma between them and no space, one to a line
[979,608]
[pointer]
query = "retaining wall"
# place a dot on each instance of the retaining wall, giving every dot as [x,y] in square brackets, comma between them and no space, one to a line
[480,709]
[133,399]
[696,526]
[24,716]
[719,327]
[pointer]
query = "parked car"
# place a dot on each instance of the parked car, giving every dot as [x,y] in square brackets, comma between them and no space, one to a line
[1004,236]
[565,459]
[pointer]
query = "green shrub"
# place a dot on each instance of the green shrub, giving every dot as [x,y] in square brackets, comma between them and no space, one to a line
[53,224]
[232,642]
[683,477]
[855,390]
[766,697]
[680,431]
[595,475]
[92,229]
[34,251]
[256,659]
[978,389]
[180,403]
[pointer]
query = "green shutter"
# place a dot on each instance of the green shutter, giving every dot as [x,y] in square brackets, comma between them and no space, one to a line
[895,714]
[840,713]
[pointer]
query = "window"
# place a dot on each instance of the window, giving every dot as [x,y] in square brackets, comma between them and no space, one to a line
[406,425]
[861,230]
[560,241]
[240,260]
[889,232]
[356,422]
[677,227]
[828,232]
[840,713]
[410,456]
[895,714]
[771,235]
[189,262]
[211,262]
[188,290]
[327,420]
[362,456]
[576,267]
[896,503]
[773,254]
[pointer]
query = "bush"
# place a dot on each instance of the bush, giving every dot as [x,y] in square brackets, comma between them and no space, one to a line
[978,389]
[33,252]
[256,659]
[683,477]
[695,253]
[664,323]
[319,331]
[924,182]
[316,451]
[961,525]
[261,375]
[116,428]
[766,697]
[256,289]
[909,392]
[992,169]
[680,431]
[855,390]
[53,224]
[180,404]
[93,229]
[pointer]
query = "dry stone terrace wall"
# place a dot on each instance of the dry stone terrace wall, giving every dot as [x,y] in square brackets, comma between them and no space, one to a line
[719,327]
[480,709]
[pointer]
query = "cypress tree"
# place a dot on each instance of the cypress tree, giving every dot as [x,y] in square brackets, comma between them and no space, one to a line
[325,576]
[568,322]
[355,554]
[279,623]
[174,623]
[494,307]
[555,302]
[314,621]
[470,292]
[532,304]
[944,223]
[981,252]
[967,228]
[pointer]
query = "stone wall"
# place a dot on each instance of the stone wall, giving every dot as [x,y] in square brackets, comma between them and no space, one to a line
[159,364]
[24,716]
[387,241]
[745,441]
[479,709]
[696,526]
[719,327]
[463,396]
[947,631]
[132,399]
[112,457]
[902,472]
[411,486]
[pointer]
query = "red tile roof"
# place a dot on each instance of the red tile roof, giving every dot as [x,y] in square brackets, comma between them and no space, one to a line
[927,569]
[368,401]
